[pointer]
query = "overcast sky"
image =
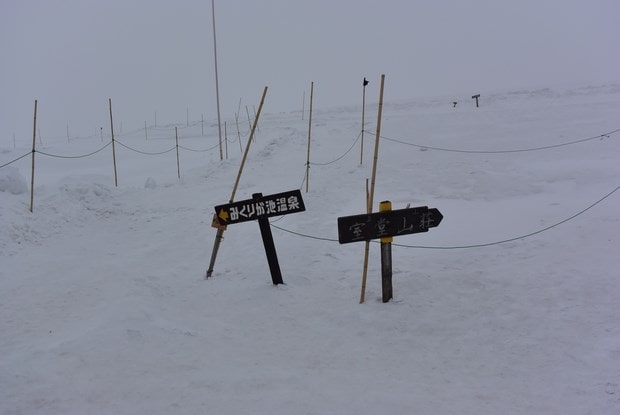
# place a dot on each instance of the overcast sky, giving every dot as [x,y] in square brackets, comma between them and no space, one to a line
[157,55]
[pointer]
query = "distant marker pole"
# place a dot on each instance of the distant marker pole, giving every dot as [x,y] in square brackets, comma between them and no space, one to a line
[309,135]
[113,146]
[364,83]
[217,86]
[34,142]
[176,136]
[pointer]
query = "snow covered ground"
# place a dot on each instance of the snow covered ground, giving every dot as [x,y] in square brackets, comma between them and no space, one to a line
[104,308]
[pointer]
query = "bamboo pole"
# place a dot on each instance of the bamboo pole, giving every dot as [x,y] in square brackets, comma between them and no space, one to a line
[113,145]
[217,84]
[372,188]
[309,135]
[34,142]
[176,135]
[220,231]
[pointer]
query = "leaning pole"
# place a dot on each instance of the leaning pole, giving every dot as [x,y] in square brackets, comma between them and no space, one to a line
[220,230]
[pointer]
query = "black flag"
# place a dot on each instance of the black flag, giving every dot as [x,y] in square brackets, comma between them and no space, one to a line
[365,82]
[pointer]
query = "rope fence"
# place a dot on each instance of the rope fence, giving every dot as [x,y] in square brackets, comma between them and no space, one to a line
[516,238]
[325,239]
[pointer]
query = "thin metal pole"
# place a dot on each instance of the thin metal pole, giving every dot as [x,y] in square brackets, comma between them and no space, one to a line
[34,141]
[220,231]
[113,146]
[217,86]
[176,135]
[309,135]
[363,114]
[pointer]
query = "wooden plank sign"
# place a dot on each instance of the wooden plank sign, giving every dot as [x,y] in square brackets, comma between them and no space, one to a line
[377,225]
[262,207]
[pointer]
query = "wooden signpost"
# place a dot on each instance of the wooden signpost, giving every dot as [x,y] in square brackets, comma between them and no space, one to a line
[386,224]
[476,97]
[261,208]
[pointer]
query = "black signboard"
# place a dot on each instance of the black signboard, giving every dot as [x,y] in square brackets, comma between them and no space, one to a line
[384,224]
[260,207]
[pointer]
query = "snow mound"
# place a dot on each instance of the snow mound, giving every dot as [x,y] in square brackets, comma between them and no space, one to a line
[11,181]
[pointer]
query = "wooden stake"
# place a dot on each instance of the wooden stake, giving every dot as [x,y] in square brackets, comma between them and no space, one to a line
[238,132]
[309,135]
[34,141]
[248,113]
[217,86]
[113,145]
[176,135]
[220,231]
[372,186]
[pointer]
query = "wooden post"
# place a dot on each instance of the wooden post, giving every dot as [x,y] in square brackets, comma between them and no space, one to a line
[113,146]
[248,114]
[270,248]
[238,132]
[363,114]
[309,135]
[176,135]
[476,98]
[226,139]
[220,231]
[386,258]
[34,141]
[217,86]
[257,127]
[372,185]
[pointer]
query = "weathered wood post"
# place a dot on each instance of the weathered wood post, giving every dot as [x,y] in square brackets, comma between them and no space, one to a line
[270,247]
[386,257]
[220,231]
[476,98]
[371,195]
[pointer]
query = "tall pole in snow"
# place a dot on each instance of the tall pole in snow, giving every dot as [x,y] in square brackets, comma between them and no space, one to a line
[34,142]
[217,86]
[371,195]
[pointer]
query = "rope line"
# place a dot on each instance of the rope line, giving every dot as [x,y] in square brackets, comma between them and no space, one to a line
[144,152]
[474,245]
[74,157]
[13,161]
[341,157]
[200,151]
[601,136]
